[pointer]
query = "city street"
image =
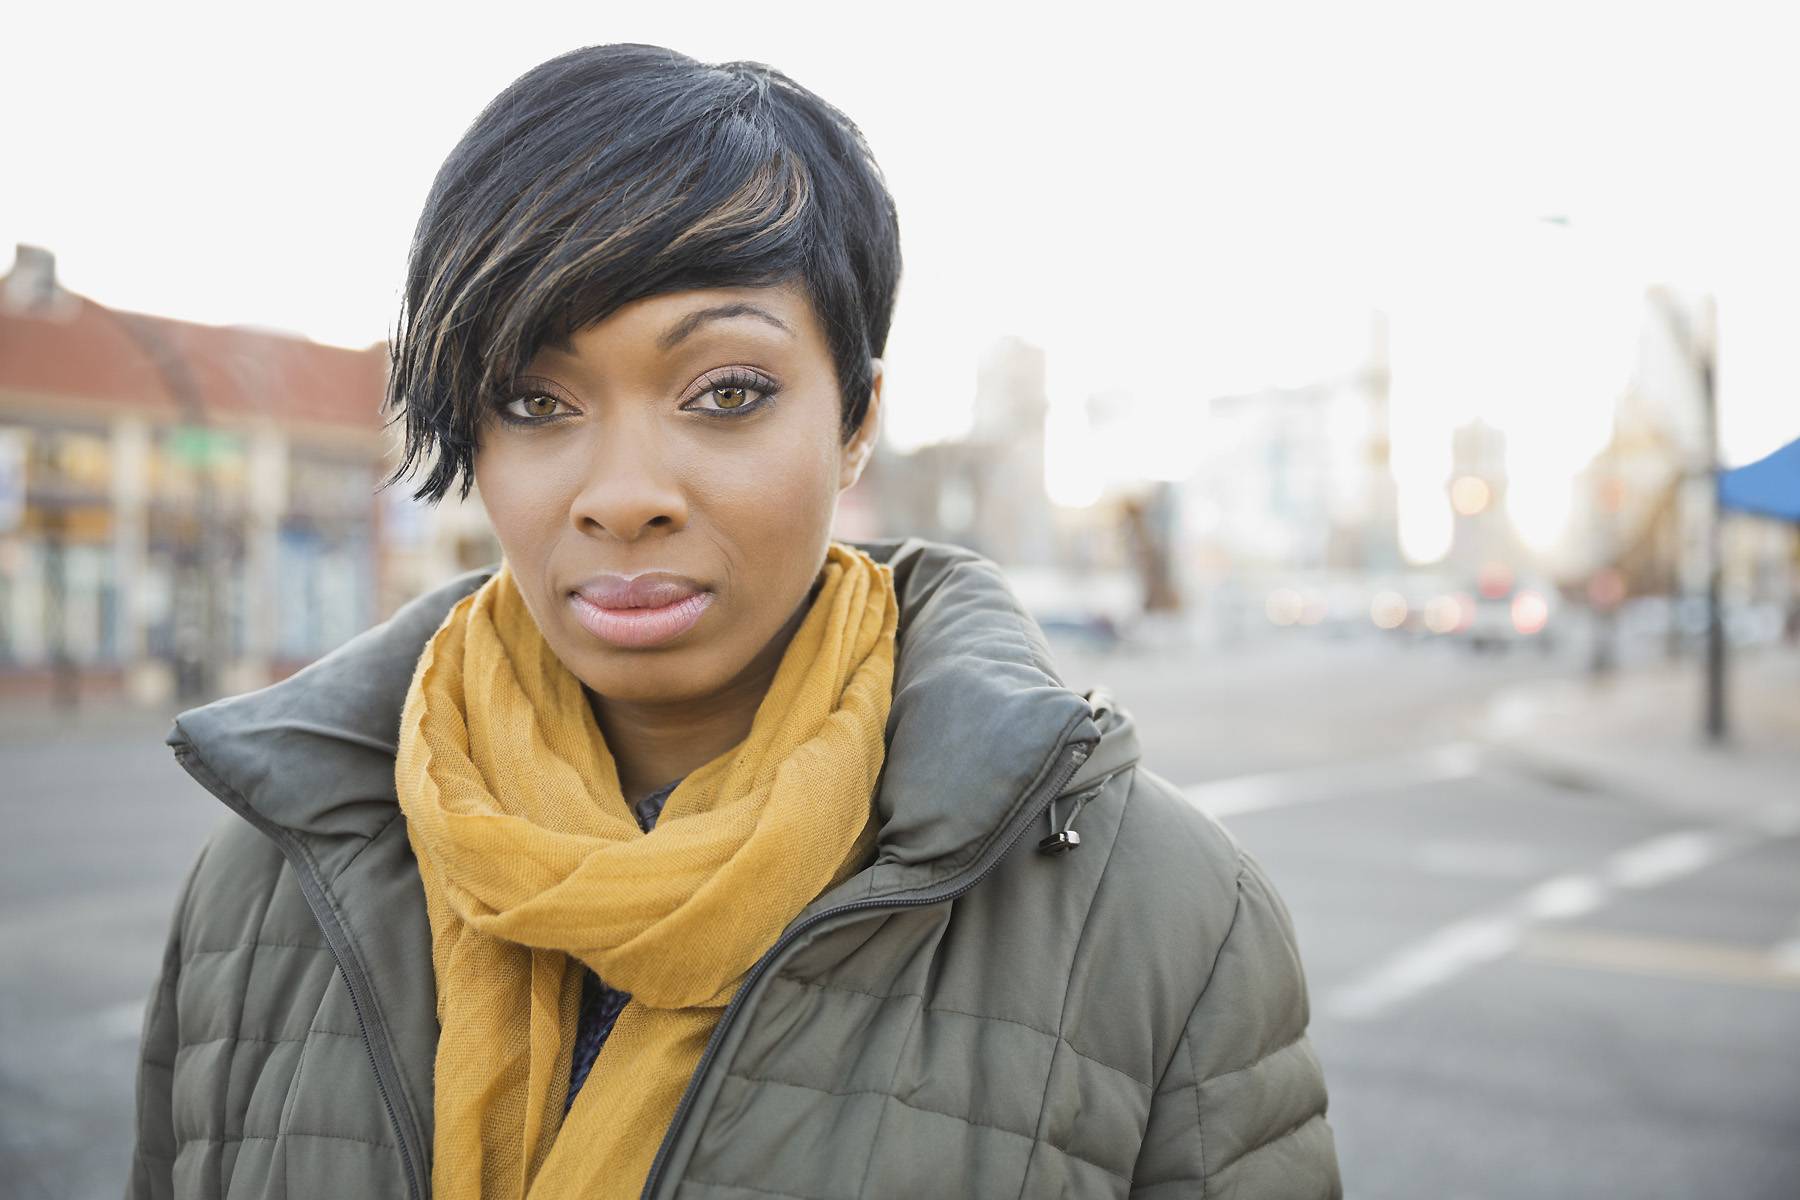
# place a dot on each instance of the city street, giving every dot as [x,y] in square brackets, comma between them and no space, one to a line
[1535,972]
[1553,949]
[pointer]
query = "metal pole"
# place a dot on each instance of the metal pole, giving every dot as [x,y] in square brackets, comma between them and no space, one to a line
[1699,343]
[1717,722]
[65,676]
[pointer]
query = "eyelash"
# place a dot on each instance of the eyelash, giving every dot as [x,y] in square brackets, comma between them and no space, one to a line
[739,377]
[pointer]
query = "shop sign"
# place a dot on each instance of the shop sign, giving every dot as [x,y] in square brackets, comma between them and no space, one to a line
[199,446]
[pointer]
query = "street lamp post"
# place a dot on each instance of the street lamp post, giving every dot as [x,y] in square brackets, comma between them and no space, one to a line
[1716,723]
[1700,347]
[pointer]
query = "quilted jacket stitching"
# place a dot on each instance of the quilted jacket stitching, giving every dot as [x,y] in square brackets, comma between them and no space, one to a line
[1255,1062]
[747,1187]
[1176,1091]
[862,1186]
[243,1001]
[329,897]
[890,1095]
[227,1139]
[1199,1109]
[162,996]
[1291,1131]
[1212,971]
[1081,938]
[287,1112]
[256,1041]
[936,1008]
[254,945]
[373,838]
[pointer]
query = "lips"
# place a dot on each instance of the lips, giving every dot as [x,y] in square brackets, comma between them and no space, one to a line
[643,610]
[652,589]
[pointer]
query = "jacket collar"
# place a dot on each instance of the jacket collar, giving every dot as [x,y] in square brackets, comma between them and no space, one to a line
[979,713]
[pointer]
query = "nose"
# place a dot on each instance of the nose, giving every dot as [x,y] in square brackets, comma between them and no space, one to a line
[629,492]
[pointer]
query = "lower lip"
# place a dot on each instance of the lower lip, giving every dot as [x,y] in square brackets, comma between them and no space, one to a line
[639,627]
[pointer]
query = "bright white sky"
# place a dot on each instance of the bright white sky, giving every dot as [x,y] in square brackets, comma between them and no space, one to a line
[1174,203]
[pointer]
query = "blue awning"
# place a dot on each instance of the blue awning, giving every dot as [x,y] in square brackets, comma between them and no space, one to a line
[1769,486]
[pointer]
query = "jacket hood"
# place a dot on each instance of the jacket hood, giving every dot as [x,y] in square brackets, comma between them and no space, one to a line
[979,717]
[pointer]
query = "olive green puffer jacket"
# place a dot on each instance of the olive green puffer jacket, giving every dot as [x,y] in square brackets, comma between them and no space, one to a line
[969,1016]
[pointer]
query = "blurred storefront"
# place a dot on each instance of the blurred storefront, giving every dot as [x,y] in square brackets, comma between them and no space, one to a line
[1644,507]
[184,509]
[985,490]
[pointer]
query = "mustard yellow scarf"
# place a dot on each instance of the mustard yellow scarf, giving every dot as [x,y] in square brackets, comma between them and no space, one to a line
[532,863]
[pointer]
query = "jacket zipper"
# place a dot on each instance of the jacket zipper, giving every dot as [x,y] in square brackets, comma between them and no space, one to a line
[376,1043]
[349,966]
[1076,755]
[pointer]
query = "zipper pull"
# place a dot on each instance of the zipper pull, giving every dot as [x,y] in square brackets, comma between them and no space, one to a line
[1063,840]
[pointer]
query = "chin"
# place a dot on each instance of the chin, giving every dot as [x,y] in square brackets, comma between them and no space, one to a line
[648,676]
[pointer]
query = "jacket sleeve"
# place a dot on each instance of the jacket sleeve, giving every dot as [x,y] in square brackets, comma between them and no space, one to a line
[153,1155]
[1240,1109]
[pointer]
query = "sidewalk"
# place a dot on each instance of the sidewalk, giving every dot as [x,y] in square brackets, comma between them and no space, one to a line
[39,721]
[1639,733]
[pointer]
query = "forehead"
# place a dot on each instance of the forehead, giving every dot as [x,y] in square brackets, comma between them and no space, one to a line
[779,314]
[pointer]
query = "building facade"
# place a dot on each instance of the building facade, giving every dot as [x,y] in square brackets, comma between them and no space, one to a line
[184,509]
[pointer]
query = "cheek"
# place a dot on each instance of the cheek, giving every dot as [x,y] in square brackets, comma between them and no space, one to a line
[520,494]
[768,509]
[778,489]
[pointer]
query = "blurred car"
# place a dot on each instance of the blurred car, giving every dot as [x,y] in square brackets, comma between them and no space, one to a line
[1505,610]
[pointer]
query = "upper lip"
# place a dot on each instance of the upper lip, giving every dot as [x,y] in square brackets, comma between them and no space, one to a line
[651,589]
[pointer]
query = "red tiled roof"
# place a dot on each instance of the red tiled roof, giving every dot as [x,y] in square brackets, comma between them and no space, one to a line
[97,353]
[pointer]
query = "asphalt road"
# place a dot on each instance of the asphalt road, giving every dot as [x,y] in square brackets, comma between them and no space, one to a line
[1522,986]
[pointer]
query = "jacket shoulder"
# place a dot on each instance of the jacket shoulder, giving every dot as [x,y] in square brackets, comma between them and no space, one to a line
[1186,859]
[243,906]
[237,869]
[1194,909]
[1240,1101]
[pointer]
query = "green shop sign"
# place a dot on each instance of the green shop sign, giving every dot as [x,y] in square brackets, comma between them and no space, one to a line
[199,446]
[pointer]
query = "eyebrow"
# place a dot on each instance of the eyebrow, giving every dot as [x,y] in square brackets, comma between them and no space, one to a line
[681,329]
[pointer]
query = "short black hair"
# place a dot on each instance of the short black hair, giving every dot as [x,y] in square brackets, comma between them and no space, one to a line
[616,172]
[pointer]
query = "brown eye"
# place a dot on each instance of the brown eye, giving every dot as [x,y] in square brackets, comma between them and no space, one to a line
[531,407]
[736,394]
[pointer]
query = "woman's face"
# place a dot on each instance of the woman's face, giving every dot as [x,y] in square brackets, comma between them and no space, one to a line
[664,487]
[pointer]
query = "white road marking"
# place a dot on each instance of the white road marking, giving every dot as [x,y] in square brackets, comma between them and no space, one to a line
[1430,963]
[1563,897]
[1463,945]
[1440,957]
[1671,856]
[1279,789]
[1786,955]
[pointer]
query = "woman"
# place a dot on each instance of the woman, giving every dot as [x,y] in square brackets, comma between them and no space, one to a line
[688,851]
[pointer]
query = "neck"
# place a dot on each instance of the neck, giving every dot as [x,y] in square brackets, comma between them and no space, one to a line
[654,743]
